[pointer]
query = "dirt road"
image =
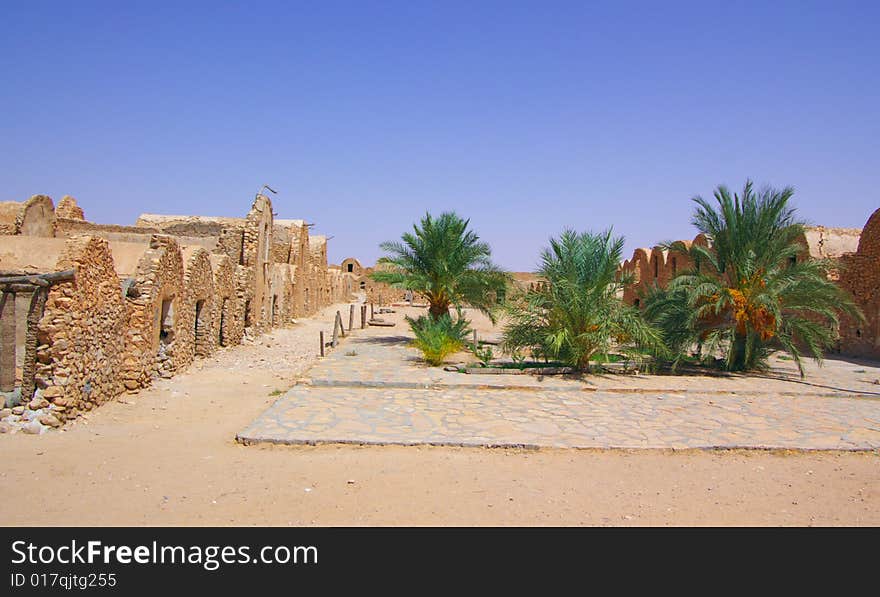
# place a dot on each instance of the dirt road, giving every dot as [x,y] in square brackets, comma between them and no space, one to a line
[167,456]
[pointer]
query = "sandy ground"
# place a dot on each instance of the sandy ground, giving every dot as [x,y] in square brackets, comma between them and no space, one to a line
[167,456]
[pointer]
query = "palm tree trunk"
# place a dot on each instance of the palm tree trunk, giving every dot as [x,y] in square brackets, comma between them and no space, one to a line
[738,358]
[438,309]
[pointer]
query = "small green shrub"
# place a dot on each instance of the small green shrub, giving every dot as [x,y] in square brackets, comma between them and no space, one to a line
[484,353]
[439,338]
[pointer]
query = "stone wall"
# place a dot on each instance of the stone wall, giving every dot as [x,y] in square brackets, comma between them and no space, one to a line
[228,317]
[860,275]
[257,249]
[196,320]
[34,217]
[80,335]
[67,208]
[147,299]
[352,266]
[377,292]
[154,310]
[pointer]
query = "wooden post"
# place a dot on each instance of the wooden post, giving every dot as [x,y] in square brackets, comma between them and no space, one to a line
[7,342]
[372,315]
[29,367]
[339,322]
[475,340]
[363,316]
[351,318]
[321,334]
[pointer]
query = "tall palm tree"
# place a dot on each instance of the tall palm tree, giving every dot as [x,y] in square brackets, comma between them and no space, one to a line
[579,312]
[748,293]
[444,262]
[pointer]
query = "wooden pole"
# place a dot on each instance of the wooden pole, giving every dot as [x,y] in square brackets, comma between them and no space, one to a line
[40,279]
[363,316]
[321,334]
[372,315]
[351,318]
[7,342]
[339,322]
[475,340]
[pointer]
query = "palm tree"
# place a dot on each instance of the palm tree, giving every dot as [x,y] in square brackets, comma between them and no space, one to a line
[748,293]
[579,312]
[444,262]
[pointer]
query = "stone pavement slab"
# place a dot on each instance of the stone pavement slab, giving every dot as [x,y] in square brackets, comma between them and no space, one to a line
[505,418]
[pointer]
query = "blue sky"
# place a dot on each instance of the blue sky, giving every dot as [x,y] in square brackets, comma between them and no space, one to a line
[525,117]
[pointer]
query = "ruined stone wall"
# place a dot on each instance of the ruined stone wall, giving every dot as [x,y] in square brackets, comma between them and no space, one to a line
[244,292]
[257,256]
[80,334]
[282,293]
[643,276]
[148,299]
[352,266]
[859,273]
[67,208]
[65,227]
[231,243]
[196,321]
[377,292]
[228,316]
[8,215]
[821,242]
[628,268]
[154,315]
[34,217]
[655,267]
[299,244]
[281,250]
[37,218]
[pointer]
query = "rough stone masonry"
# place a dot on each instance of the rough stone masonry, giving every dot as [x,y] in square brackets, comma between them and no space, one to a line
[144,300]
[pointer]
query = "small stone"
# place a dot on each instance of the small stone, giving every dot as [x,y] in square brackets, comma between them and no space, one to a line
[38,403]
[17,410]
[5,427]
[50,420]
[5,413]
[12,398]
[53,392]
[34,428]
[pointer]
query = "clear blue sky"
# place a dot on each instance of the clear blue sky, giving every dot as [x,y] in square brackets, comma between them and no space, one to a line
[525,117]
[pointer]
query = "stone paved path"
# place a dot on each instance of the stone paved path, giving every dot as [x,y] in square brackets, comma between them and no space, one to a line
[382,394]
[467,417]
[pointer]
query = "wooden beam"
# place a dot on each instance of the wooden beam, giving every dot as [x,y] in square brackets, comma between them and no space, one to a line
[26,288]
[40,279]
